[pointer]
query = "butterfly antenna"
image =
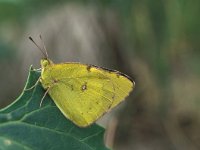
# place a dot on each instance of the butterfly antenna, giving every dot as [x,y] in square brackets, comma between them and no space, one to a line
[30,38]
[44,46]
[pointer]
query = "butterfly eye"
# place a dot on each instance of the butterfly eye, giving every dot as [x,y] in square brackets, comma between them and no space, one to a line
[45,63]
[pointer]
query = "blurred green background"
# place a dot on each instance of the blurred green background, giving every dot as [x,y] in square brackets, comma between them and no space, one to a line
[154,42]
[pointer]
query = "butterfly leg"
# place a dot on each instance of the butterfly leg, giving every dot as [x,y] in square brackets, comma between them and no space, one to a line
[33,85]
[44,96]
[39,69]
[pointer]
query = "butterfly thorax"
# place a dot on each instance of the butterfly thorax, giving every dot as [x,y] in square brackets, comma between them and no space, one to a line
[45,77]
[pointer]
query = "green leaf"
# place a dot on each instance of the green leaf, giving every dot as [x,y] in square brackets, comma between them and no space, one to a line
[24,125]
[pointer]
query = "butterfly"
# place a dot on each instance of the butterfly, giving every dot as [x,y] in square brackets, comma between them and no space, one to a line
[83,92]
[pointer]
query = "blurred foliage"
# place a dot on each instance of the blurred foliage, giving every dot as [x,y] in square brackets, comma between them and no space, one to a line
[156,42]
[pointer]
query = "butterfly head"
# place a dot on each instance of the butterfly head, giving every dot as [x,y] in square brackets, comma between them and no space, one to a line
[45,62]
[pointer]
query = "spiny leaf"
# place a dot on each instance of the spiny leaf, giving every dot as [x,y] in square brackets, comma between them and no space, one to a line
[26,126]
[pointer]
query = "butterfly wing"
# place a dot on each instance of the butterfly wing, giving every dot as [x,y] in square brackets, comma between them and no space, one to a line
[84,93]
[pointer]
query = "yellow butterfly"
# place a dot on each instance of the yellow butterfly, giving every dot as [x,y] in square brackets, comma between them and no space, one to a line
[83,93]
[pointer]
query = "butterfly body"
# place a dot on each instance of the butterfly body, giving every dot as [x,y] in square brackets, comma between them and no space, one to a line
[83,92]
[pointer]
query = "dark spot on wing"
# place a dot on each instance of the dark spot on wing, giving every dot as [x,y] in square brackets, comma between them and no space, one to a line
[124,75]
[113,97]
[72,87]
[55,80]
[88,68]
[84,86]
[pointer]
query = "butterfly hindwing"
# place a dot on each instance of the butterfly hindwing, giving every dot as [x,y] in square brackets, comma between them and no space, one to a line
[84,93]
